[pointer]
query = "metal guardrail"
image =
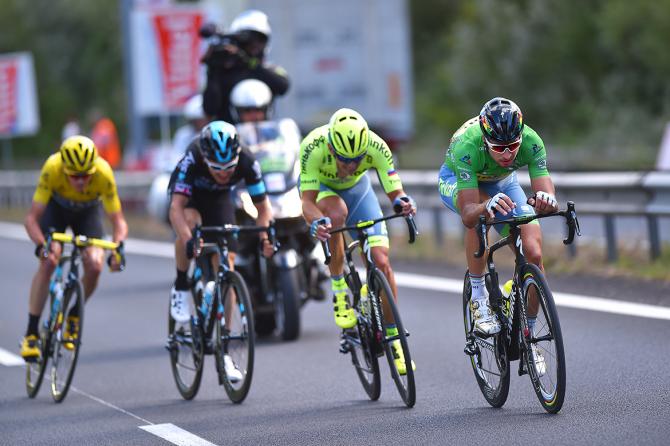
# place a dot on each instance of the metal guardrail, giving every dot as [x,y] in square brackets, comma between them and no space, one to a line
[603,194]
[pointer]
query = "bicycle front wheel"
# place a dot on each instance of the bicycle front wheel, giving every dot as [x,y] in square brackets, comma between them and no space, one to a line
[360,343]
[234,343]
[489,359]
[545,357]
[66,342]
[35,369]
[396,347]
[186,347]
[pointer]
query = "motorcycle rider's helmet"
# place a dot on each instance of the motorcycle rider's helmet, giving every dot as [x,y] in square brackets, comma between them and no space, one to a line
[219,142]
[193,108]
[250,94]
[348,134]
[78,154]
[501,121]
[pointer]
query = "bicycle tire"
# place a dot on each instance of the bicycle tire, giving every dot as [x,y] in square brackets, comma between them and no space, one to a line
[73,296]
[35,370]
[404,383]
[550,384]
[238,337]
[187,356]
[287,303]
[495,348]
[361,345]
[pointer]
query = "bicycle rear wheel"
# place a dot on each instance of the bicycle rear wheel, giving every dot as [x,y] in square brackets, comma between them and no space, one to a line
[380,289]
[186,347]
[545,357]
[35,370]
[235,336]
[490,362]
[66,350]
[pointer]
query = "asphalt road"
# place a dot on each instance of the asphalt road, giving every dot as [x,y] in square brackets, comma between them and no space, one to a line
[306,392]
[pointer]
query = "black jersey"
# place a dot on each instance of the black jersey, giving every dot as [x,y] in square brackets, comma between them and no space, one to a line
[191,176]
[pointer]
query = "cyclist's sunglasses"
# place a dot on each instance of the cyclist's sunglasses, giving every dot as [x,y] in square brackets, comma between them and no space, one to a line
[219,167]
[344,159]
[79,176]
[501,148]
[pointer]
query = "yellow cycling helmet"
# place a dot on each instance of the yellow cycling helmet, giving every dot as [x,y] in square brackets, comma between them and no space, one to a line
[348,133]
[78,154]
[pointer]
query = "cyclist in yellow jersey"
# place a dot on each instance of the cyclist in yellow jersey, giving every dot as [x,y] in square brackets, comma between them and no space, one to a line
[71,186]
[335,190]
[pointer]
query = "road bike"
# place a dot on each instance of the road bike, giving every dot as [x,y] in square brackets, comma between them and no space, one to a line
[367,341]
[66,293]
[222,321]
[539,350]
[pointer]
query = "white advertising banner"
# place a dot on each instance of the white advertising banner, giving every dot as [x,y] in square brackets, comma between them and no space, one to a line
[18,96]
[166,50]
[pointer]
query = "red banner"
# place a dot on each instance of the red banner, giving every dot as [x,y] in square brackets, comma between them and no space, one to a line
[8,95]
[179,45]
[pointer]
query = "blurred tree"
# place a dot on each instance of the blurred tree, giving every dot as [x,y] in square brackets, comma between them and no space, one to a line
[77,51]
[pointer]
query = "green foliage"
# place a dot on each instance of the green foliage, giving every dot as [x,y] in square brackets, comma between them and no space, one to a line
[76,47]
[588,74]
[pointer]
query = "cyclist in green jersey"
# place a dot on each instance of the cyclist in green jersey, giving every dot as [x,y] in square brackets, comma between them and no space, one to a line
[335,191]
[478,177]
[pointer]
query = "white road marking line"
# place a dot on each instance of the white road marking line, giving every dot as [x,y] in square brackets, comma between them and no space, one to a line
[418,281]
[409,280]
[176,435]
[9,359]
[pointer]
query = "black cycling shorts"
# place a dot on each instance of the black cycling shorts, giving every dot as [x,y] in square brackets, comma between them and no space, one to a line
[86,221]
[215,209]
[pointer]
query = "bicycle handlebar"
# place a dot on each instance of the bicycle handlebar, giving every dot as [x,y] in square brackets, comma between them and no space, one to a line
[231,230]
[361,225]
[82,241]
[570,220]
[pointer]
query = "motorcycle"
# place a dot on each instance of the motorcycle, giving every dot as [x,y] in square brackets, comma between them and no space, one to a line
[281,285]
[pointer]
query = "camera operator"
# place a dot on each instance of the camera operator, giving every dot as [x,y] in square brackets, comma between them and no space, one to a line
[237,56]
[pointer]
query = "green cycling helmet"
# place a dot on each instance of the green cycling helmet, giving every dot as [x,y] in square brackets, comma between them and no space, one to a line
[348,133]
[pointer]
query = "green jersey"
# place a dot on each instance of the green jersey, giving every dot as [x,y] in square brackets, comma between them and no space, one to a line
[318,166]
[469,159]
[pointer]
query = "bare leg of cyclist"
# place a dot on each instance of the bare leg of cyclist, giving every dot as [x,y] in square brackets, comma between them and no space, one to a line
[335,208]
[531,237]
[39,287]
[380,254]
[92,257]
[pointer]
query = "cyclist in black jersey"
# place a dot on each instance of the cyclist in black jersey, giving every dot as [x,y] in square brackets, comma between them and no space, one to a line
[200,191]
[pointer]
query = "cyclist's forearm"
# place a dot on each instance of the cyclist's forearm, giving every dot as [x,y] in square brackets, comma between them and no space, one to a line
[544,184]
[471,212]
[310,210]
[119,226]
[32,224]
[264,214]
[179,223]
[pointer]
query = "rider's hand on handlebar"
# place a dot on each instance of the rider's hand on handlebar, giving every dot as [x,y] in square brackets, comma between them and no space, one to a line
[267,248]
[117,259]
[543,202]
[319,228]
[193,247]
[500,203]
[404,205]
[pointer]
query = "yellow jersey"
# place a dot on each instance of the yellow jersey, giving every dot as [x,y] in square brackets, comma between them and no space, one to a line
[54,184]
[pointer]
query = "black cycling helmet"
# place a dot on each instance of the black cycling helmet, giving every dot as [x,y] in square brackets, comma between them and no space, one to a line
[501,121]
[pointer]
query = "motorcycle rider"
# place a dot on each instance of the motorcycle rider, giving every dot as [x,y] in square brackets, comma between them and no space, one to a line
[240,57]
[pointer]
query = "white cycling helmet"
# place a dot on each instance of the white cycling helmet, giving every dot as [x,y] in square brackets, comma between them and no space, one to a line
[252,20]
[249,93]
[193,108]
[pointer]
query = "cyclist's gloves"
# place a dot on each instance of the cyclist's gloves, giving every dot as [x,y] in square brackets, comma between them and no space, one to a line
[494,202]
[316,223]
[545,196]
[191,245]
[120,256]
[398,203]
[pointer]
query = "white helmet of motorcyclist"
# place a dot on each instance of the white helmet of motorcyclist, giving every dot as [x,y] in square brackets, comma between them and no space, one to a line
[250,100]
[193,108]
[252,20]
